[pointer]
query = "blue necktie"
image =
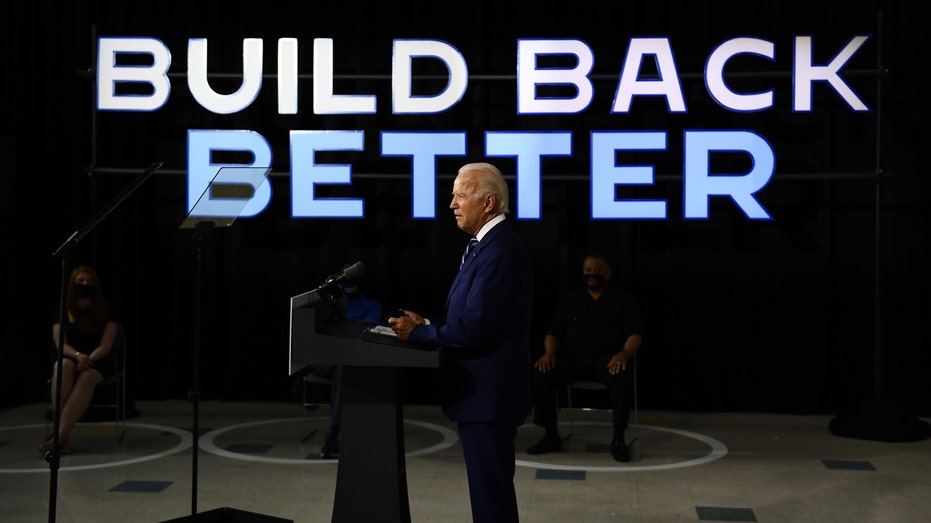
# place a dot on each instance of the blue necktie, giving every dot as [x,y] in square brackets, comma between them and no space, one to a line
[472,243]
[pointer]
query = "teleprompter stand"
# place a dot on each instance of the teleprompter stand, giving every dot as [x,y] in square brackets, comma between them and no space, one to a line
[226,198]
[64,251]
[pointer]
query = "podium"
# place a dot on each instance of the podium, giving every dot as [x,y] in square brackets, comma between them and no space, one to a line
[371,481]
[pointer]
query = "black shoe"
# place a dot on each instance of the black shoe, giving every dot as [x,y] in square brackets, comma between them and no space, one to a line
[620,452]
[545,445]
[330,448]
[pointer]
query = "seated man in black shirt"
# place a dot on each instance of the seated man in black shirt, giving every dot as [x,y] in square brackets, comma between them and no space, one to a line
[594,334]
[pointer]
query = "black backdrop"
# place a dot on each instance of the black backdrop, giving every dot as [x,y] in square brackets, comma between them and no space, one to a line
[778,315]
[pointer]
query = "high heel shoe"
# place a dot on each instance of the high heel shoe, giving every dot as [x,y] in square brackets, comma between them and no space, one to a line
[46,446]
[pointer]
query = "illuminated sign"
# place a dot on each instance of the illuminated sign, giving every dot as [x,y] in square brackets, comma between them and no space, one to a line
[528,147]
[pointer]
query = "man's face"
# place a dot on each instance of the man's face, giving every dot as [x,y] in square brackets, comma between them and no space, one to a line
[468,208]
[596,266]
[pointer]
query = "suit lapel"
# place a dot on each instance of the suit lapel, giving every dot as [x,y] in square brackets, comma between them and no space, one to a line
[476,252]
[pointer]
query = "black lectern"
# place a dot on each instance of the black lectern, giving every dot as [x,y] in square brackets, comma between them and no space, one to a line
[371,482]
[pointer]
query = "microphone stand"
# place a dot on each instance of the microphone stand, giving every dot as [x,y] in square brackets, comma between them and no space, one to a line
[53,457]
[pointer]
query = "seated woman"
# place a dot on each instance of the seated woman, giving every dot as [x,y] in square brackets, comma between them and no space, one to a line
[89,335]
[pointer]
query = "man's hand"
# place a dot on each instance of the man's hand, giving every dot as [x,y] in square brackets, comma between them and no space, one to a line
[546,363]
[618,363]
[404,323]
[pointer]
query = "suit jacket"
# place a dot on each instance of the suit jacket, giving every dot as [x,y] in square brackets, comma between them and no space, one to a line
[486,332]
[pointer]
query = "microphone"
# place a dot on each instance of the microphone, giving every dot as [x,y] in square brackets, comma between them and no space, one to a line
[354,272]
[324,297]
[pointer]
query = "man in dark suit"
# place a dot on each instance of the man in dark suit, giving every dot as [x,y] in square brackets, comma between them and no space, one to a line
[486,334]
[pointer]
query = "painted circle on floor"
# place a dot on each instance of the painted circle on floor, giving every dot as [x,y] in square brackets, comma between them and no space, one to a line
[207,444]
[186,440]
[718,451]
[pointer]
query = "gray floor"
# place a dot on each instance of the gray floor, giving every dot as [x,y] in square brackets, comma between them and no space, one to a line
[686,467]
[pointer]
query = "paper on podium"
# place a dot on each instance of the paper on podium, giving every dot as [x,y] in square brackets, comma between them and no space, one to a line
[384,330]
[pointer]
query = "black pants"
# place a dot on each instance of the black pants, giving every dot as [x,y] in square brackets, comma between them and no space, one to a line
[568,369]
[488,448]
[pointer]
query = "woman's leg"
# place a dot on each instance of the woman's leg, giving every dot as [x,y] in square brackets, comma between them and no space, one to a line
[78,401]
[67,381]
[67,386]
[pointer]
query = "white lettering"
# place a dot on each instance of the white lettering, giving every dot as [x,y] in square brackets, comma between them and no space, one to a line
[529,76]
[325,102]
[402,76]
[630,84]
[714,74]
[225,103]
[109,74]
[287,76]
[806,73]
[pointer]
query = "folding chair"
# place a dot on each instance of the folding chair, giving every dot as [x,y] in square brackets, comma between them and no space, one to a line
[117,382]
[593,385]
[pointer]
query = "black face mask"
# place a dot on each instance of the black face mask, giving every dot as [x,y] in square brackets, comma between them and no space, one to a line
[83,291]
[594,282]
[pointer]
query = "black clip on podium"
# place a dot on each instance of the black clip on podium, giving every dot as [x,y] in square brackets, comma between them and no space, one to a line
[225,199]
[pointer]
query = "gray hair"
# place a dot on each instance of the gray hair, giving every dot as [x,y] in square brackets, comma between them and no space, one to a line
[489,181]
